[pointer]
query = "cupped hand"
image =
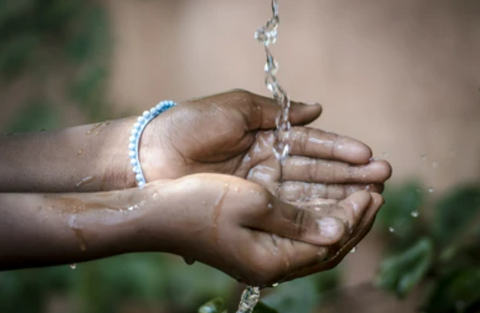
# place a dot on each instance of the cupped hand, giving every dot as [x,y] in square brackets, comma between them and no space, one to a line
[232,133]
[242,229]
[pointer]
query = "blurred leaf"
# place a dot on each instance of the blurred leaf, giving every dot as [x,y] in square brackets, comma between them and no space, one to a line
[88,92]
[397,214]
[455,292]
[35,116]
[327,280]
[402,272]
[90,41]
[10,9]
[216,305]
[16,52]
[299,295]
[263,308]
[456,212]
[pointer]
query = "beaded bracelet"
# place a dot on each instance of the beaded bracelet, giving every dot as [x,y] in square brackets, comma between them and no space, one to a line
[136,134]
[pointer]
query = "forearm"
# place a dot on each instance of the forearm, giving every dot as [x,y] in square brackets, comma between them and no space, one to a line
[83,158]
[42,230]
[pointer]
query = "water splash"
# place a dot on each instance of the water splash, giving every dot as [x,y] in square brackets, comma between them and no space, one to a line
[391,229]
[267,35]
[414,214]
[431,190]
[354,249]
[73,266]
[249,300]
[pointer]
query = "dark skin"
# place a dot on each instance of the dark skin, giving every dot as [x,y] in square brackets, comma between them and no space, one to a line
[246,214]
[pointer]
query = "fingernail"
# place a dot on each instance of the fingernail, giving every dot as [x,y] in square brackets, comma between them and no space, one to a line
[329,227]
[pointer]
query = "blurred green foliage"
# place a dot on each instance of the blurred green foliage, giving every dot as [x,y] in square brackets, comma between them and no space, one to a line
[151,280]
[440,252]
[65,40]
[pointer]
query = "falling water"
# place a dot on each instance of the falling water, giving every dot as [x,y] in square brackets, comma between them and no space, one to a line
[248,300]
[267,35]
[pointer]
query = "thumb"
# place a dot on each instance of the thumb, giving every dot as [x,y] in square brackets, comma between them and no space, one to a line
[300,113]
[308,226]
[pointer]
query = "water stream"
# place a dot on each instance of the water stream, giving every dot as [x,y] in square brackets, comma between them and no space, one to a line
[267,35]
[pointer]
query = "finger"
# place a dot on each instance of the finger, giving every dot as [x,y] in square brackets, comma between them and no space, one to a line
[322,171]
[316,143]
[281,256]
[349,211]
[296,191]
[362,230]
[263,112]
[288,221]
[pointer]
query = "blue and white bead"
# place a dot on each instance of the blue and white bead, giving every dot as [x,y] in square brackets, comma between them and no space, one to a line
[136,134]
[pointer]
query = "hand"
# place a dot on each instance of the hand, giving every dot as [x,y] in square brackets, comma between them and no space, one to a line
[231,133]
[239,227]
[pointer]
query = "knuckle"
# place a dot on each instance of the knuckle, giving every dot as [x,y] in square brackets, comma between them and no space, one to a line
[263,200]
[245,94]
[313,170]
[301,222]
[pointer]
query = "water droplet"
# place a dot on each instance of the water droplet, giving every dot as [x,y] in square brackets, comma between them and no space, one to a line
[431,190]
[270,206]
[367,187]
[189,260]
[236,189]
[414,214]
[80,151]
[155,196]
[274,285]
[423,157]
[354,249]
[73,266]
[434,164]
[391,229]
[84,181]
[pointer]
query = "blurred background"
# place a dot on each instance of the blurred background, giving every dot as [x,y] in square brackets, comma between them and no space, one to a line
[402,76]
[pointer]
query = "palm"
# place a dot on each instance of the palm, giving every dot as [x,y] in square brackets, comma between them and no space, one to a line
[232,134]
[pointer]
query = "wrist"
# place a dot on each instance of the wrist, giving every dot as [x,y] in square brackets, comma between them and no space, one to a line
[136,142]
[117,172]
[153,150]
[156,228]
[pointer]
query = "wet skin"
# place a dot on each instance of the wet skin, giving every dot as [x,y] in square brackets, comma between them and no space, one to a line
[217,195]
[224,221]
